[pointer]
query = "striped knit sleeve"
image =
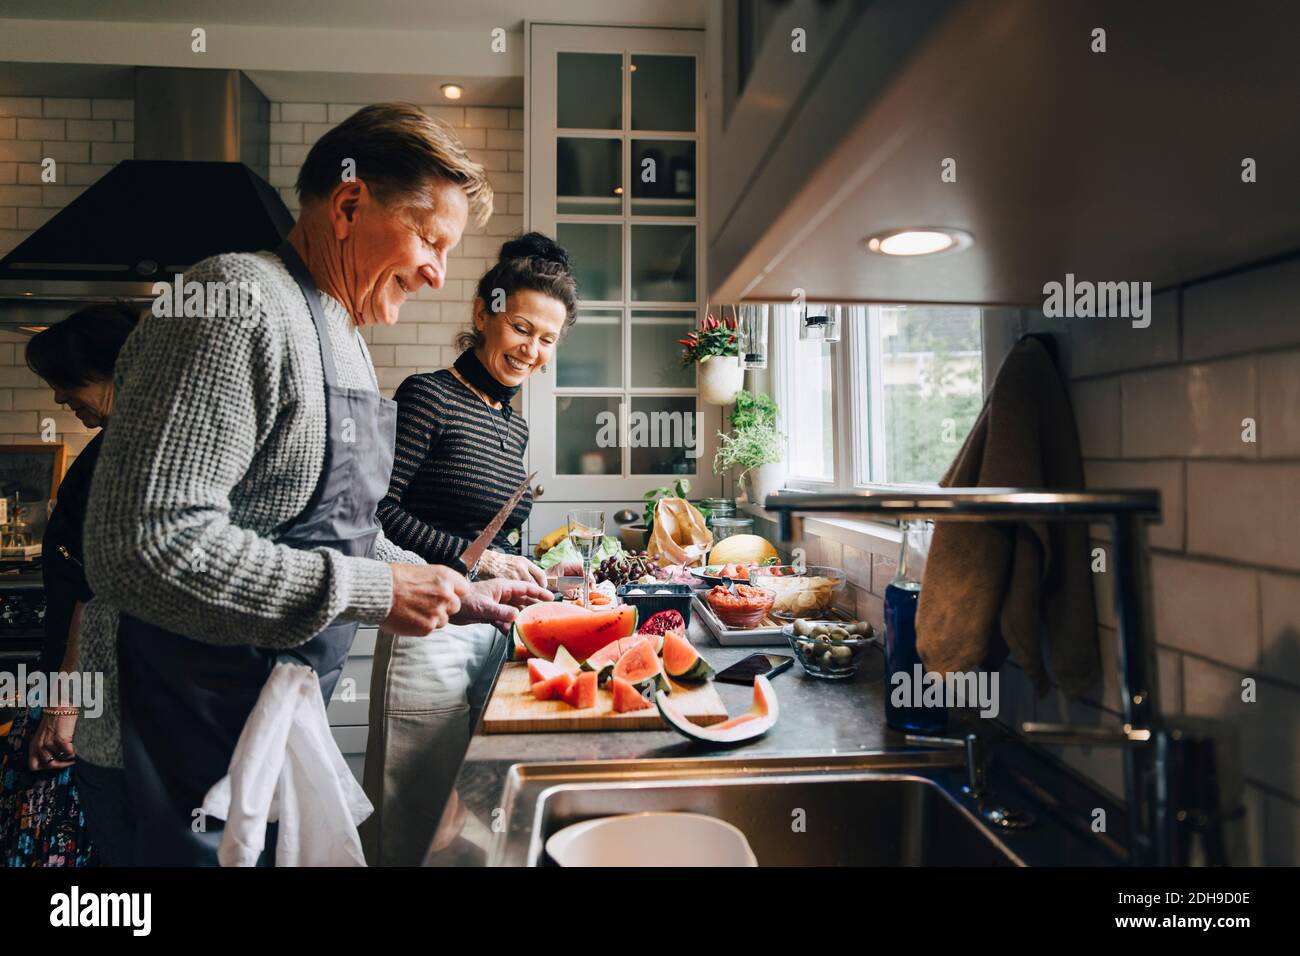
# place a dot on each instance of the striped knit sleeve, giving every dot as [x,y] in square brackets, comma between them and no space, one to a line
[419,425]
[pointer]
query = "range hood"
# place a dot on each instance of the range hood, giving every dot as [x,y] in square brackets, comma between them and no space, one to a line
[195,188]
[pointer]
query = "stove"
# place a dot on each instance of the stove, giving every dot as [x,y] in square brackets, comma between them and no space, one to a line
[22,613]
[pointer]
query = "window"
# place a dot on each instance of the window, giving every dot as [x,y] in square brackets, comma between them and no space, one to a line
[905,381]
[806,397]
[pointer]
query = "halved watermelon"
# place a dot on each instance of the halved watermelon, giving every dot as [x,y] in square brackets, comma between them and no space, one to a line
[554,688]
[627,697]
[760,719]
[545,628]
[681,660]
[640,664]
[582,693]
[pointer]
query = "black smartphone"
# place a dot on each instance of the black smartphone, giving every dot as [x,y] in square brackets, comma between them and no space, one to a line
[744,672]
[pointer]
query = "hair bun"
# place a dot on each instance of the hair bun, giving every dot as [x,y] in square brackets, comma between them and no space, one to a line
[537,246]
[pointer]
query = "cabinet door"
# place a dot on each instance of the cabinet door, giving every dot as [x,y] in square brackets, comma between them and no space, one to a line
[616,160]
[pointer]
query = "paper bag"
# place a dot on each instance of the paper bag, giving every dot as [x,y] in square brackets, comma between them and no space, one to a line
[679,535]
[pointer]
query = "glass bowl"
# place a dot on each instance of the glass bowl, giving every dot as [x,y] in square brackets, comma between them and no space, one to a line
[808,595]
[829,656]
[743,617]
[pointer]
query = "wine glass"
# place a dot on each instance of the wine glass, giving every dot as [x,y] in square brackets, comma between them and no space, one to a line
[586,531]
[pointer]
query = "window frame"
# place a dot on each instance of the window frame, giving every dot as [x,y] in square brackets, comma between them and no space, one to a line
[857,370]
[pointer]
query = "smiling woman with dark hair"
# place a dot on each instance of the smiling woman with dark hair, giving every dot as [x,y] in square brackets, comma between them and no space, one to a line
[460,455]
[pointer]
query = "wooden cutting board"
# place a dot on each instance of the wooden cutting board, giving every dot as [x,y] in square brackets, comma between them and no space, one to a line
[513,709]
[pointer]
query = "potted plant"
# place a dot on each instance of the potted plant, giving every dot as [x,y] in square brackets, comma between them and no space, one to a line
[755,446]
[714,348]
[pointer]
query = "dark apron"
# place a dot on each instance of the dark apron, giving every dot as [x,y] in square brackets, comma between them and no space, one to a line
[184,702]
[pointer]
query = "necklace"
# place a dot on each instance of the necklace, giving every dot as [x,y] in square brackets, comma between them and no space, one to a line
[491,417]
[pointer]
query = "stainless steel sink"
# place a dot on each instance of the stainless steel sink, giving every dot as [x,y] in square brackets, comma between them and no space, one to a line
[799,820]
[863,809]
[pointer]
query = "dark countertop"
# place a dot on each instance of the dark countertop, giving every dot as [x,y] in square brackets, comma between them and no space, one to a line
[818,717]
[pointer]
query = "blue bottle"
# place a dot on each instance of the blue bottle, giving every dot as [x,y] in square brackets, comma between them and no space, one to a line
[901,598]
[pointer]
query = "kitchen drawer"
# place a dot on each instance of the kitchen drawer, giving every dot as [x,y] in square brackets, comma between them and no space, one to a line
[351,740]
[356,670]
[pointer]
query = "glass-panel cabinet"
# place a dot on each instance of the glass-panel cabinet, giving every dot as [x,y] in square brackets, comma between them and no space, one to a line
[615,166]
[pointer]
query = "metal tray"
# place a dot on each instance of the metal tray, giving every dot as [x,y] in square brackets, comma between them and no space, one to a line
[767,634]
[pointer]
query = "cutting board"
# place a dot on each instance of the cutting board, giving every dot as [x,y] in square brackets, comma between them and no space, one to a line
[513,709]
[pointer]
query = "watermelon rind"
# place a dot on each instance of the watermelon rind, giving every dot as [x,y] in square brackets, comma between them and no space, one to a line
[760,719]
[565,660]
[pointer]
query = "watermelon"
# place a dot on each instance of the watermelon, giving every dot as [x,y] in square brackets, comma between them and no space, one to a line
[553,688]
[540,670]
[582,693]
[627,698]
[639,664]
[566,662]
[520,652]
[546,627]
[761,718]
[681,660]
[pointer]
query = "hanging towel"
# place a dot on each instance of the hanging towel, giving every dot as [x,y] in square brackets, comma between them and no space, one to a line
[1020,588]
[287,768]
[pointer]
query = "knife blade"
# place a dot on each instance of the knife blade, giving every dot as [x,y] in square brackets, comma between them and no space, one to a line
[471,555]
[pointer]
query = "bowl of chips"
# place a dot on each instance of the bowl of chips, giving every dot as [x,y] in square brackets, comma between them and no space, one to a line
[807,592]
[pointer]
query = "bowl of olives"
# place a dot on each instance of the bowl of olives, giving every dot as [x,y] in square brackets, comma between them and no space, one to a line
[832,650]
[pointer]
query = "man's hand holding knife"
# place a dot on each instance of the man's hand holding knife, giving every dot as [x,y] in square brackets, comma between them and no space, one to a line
[429,597]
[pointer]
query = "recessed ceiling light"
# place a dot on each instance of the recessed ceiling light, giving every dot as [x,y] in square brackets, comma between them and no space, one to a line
[919,241]
[453,91]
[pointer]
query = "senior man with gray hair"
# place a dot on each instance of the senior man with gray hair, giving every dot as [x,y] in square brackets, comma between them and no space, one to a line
[232,520]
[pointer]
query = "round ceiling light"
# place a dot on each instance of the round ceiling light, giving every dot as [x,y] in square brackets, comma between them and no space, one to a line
[453,91]
[918,241]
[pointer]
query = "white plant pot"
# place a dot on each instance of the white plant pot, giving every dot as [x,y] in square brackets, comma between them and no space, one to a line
[764,480]
[720,378]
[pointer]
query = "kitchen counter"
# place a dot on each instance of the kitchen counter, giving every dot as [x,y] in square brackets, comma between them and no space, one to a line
[818,717]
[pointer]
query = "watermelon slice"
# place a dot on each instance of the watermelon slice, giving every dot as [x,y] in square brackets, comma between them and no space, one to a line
[540,670]
[639,664]
[564,660]
[681,660]
[545,628]
[520,652]
[582,693]
[627,698]
[553,688]
[761,718]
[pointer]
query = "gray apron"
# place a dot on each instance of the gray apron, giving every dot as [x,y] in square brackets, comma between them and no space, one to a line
[184,702]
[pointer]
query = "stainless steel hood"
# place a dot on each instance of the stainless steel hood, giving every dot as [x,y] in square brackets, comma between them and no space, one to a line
[195,188]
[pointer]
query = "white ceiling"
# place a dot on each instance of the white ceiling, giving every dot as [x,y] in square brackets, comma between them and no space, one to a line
[458,15]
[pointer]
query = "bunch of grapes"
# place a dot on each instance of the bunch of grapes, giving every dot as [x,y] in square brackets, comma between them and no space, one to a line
[626,568]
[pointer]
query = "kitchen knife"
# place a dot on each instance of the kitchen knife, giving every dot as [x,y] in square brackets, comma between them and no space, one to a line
[471,555]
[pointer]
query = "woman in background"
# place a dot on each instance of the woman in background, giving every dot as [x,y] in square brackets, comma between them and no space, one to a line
[41,823]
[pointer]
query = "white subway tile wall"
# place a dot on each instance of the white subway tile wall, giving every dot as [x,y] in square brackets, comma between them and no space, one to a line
[1209,413]
[86,137]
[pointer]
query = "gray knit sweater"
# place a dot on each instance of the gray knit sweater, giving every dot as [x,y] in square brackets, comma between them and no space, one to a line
[216,443]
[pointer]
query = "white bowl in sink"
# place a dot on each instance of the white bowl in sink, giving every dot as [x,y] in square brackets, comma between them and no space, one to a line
[651,839]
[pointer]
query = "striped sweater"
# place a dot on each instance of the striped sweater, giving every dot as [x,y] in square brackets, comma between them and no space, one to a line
[451,474]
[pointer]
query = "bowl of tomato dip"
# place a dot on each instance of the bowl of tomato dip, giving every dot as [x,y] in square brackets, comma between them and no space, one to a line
[741,607]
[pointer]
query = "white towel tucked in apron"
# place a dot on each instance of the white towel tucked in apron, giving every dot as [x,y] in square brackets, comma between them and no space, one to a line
[287,768]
